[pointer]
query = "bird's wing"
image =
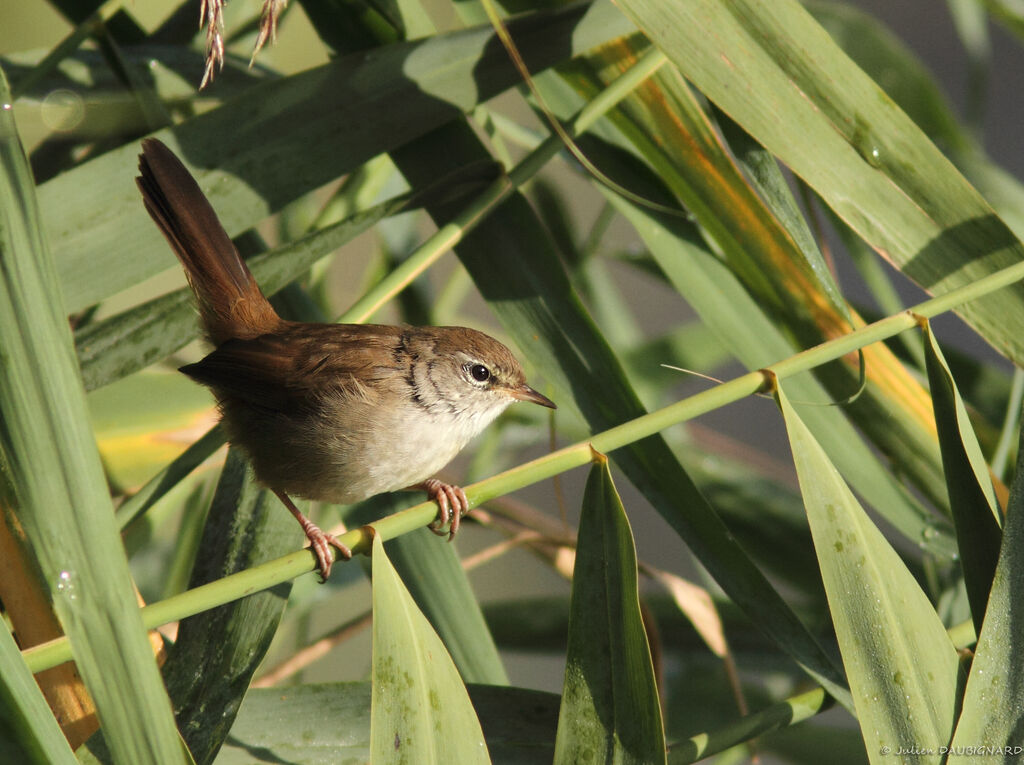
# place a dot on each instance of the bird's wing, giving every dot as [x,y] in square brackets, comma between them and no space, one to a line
[300,364]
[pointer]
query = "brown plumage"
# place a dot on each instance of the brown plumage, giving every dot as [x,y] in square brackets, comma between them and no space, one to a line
[332,412]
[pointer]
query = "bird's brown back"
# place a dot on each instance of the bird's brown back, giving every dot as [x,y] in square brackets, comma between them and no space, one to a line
[298,364]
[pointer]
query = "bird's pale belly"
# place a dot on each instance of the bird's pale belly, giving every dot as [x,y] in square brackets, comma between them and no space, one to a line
[381,452]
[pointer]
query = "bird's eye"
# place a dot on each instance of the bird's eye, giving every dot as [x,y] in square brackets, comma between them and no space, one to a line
[480,373]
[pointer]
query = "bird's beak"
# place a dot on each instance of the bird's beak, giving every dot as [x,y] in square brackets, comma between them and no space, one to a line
[526,393]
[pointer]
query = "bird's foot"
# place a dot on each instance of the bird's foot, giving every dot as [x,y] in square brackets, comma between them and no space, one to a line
[320,542]
[452,505]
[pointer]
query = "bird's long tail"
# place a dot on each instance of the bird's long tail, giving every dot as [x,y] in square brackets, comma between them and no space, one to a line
[230,302]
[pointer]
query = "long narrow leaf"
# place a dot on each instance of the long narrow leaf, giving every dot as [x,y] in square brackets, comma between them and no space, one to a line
[284,138]
[901,665]
[778,74]
[442,591]
[56,484]
[909,83]
[749,333]
[610,710]
[971,496]
[330,723]
[756,229]
[216,653]
[28,731]
[421,712]
[994,697]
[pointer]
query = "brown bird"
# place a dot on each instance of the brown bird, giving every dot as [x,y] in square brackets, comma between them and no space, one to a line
[331,412]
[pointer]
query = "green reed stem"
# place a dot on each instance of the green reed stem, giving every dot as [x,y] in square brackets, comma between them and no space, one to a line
[449,235]
[300,562]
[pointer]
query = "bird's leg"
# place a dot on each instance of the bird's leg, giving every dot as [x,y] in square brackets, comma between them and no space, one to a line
[320,541]
[452,504]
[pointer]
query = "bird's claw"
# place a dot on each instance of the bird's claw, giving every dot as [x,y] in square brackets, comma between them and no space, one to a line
[320,543]
[452,505]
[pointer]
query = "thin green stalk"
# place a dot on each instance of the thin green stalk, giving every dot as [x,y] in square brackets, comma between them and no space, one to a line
[962,635]
[1011,426]
[450,298]
[601,224]
[157,486]
[518,134]
[786,713]
[359,540]
[427,254]
[68,45]
[449,235]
